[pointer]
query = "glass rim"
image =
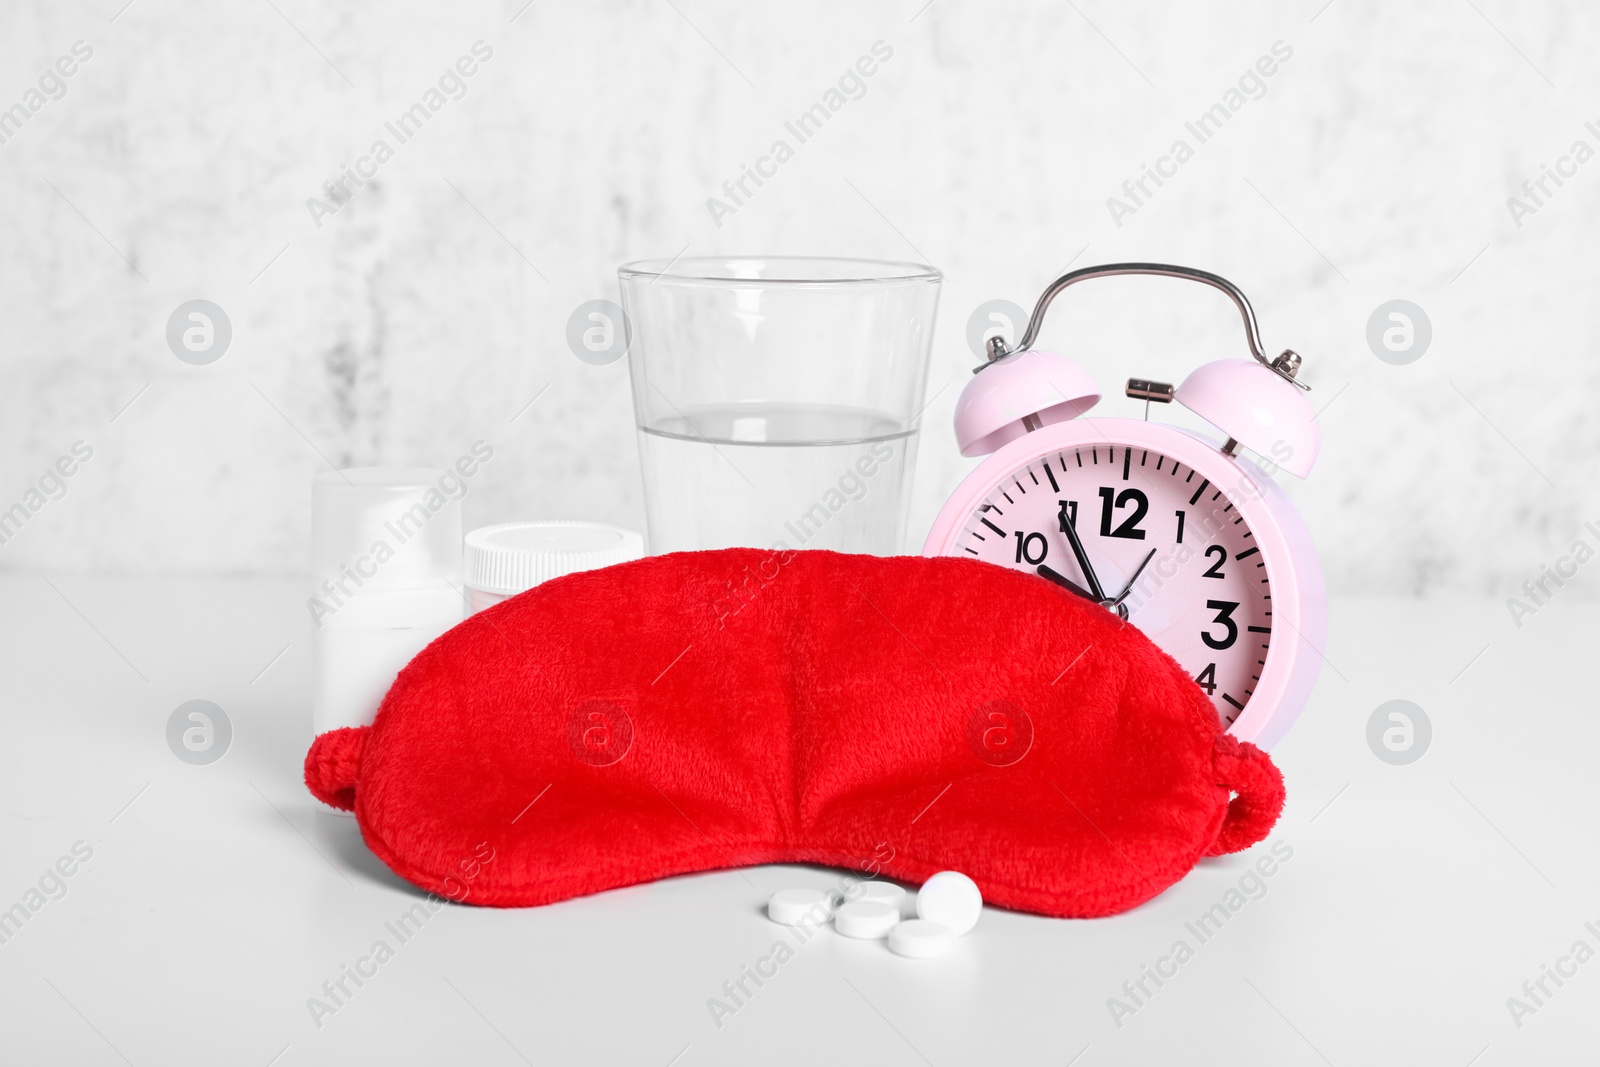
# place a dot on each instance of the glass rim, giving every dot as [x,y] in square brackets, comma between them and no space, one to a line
[697,270]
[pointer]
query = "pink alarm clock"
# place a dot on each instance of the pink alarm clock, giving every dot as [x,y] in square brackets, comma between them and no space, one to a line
[1177,533]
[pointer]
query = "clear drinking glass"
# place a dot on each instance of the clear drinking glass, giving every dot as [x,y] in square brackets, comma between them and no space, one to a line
[777,398]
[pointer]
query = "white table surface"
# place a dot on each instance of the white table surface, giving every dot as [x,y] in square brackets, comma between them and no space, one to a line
[219,898]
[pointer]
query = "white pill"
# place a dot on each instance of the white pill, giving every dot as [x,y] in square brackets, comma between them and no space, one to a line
[866,919]
[950,898]
[884,893]
[920,939]
[796,907]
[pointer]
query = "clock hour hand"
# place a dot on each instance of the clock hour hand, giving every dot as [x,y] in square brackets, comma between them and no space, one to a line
[1066,583]
[1082,556]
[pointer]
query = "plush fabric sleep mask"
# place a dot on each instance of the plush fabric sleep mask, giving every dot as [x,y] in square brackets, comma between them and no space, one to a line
[707,710]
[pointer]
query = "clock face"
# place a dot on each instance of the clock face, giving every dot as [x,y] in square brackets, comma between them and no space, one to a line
[1160,540]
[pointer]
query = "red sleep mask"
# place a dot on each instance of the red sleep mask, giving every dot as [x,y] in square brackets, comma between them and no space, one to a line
[706,710]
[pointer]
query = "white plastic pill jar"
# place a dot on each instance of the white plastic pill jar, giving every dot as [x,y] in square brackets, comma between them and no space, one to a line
[386,581]
[513,557]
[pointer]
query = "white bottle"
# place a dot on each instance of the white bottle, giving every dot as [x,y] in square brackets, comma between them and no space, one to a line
[386,577]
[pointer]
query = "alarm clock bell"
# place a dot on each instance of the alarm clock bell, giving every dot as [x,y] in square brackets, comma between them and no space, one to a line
[1019,392]
[1257,408]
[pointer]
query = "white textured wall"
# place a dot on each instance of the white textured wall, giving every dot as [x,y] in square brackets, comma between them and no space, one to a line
[432,308]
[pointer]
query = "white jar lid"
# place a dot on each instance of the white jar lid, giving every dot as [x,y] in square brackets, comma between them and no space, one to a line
[516,556]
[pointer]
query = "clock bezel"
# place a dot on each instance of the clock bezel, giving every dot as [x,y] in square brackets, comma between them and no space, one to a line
[1294,574]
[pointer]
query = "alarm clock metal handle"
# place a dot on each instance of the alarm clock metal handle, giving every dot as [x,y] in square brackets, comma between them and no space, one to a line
[1286,365]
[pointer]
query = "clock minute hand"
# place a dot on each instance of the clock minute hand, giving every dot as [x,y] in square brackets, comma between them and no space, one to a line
[1082,556]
